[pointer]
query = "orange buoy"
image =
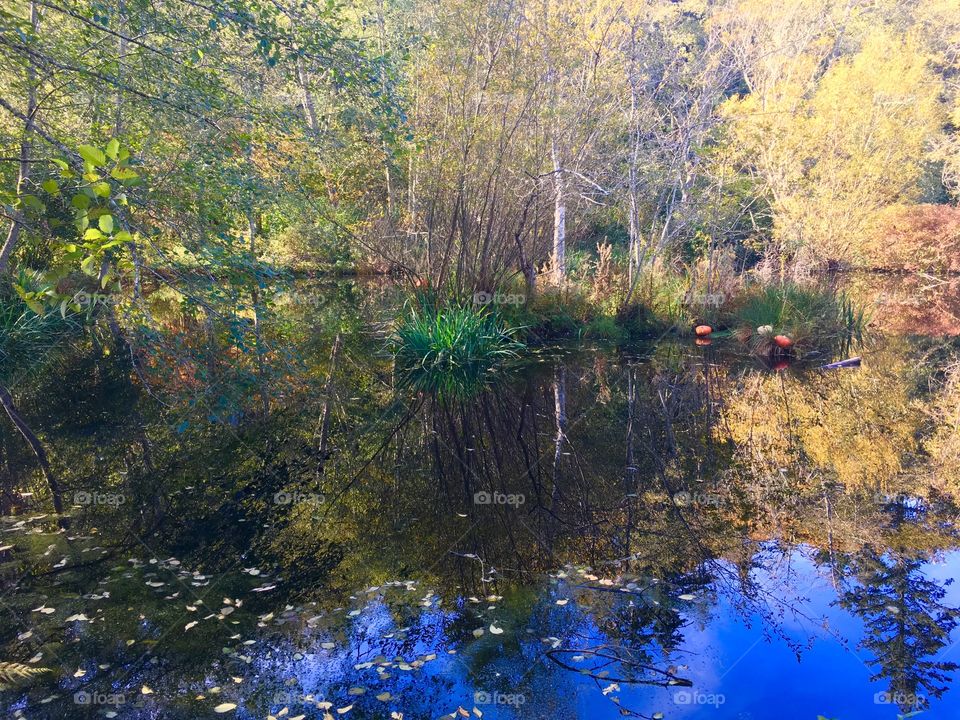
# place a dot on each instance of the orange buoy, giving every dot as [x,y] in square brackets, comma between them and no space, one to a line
[703,330]
[783,342]
[703,341]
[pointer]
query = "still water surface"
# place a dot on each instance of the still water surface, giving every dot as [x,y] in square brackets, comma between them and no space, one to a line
[659,531]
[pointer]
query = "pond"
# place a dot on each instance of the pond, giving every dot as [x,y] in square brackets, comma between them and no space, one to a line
[660,531]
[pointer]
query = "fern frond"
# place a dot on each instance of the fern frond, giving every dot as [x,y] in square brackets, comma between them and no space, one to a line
[13,674]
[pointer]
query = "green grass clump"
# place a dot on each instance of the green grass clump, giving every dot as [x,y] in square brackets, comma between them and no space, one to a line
[456,336]
[606,328]
[24,332]
[814,317]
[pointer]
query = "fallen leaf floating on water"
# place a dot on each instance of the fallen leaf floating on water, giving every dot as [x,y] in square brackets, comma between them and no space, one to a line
[562,602]
[225,707]
[146,691]
[495,630]
[687,597]
[78,618]
[190,625]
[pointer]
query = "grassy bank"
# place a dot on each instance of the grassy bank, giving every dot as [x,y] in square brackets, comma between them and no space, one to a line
[777,321]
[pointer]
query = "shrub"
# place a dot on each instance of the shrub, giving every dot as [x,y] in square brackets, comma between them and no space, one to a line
[917,237]
[605,327]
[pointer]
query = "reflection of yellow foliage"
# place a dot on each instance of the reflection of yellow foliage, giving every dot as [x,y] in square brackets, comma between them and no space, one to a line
[856,427]
[945,444]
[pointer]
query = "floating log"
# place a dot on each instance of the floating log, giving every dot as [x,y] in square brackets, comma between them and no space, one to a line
[849,362]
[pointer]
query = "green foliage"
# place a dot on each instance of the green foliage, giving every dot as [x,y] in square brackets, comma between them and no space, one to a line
[93,194]
[605,327]
[452,337]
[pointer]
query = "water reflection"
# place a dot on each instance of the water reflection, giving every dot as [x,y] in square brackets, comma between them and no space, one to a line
[673,530]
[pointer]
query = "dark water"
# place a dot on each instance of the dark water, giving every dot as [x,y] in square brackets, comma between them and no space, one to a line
[654,531]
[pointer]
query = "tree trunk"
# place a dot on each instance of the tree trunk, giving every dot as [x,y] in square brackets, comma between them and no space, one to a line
[258,338]
[327,392]
[13,236]
[7,401]
[560,418]
[309,108]
[388,179]
[121,54]
[558,258]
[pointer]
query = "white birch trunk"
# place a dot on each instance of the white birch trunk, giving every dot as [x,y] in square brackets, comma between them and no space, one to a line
[559,255]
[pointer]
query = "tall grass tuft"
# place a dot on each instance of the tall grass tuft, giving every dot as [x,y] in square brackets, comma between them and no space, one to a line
[452,337]
[813,317]
[24,332]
